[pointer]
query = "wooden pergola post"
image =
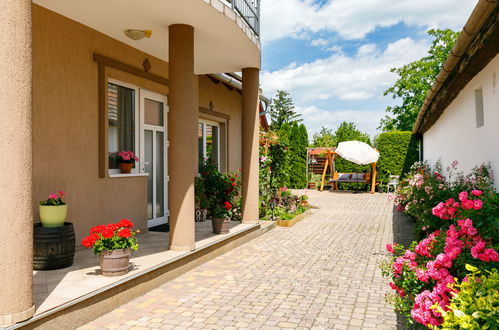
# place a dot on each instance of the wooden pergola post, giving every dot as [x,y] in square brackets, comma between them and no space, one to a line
[373,178]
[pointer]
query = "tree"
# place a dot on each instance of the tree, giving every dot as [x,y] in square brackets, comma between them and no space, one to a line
[347,131]
[415,79]
[282,110]
[298,143]
[325,138]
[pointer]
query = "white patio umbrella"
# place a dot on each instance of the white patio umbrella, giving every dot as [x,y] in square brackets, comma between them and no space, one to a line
[357,152]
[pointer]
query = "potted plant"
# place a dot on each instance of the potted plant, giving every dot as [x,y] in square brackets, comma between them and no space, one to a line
[222,189]
[220,220]
[126,160]
[53,211]
[113,244]
[304,200]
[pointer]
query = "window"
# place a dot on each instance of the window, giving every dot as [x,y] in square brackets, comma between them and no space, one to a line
[209,141]
[479,107]
[122,121]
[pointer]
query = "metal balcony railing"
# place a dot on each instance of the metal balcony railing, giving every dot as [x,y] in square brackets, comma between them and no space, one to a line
[249,10]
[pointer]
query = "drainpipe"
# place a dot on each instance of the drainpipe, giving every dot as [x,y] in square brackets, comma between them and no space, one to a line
[229,80]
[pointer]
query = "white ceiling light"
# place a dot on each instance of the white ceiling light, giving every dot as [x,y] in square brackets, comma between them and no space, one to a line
[137,34]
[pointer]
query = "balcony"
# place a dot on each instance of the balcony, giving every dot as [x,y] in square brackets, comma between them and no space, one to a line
[226,33]
[249,10]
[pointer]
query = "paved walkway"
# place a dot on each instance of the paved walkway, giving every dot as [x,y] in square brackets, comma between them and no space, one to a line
[321,273]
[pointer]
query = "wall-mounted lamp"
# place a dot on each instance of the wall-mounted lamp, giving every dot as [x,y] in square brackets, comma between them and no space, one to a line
[137,34]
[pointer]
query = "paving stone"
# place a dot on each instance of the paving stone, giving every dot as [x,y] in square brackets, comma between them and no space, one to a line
[320,274]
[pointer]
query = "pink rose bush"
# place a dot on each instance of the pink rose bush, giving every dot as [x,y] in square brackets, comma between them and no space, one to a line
[426,188]
[461,229]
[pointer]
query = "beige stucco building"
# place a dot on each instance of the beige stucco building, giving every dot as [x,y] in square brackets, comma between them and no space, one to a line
[460,115]
[75,88]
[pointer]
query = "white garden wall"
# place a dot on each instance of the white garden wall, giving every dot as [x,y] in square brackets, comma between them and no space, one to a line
[455,136]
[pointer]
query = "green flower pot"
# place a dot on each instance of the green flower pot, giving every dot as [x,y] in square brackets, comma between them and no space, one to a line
[53,216]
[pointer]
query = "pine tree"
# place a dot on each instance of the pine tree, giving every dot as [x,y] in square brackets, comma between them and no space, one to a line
[282,110]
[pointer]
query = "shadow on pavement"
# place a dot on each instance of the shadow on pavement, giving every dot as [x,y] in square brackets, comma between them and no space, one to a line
[403,233]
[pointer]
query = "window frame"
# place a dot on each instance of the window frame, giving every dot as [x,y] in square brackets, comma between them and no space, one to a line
[479,107]
[205,122]
[136,89]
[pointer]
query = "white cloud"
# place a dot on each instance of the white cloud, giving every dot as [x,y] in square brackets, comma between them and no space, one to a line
[319,42]
[315,118]
[362,76]
[353,19]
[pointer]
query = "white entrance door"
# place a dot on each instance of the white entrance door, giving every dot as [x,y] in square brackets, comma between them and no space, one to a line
[154,144]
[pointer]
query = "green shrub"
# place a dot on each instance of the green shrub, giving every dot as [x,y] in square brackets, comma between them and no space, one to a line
[398,151]
[476,305]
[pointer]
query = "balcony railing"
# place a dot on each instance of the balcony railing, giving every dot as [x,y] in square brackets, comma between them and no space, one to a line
[249,10]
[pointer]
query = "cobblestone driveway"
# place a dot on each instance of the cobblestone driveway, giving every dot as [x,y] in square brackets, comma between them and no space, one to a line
[321,273]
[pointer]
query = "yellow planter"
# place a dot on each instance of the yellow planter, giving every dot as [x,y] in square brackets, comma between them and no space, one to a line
[53,216]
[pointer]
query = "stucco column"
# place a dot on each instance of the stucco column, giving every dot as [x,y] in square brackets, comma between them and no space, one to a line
[16,215]
[251,126]
[182,134]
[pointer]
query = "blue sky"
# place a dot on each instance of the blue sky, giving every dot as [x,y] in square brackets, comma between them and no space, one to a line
[334,56]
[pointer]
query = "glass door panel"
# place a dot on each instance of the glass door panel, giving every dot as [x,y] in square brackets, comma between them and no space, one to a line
[148,168]
[160,175]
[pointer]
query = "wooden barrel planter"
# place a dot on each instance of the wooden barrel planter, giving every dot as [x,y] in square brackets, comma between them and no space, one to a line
[115,262]
[53,248]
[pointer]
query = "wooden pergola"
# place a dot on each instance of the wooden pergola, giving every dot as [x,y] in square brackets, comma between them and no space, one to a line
[329,164]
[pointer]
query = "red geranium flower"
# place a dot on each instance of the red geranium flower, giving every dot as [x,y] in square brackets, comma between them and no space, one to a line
[90,240]
[125,223]
[227,206]
[113,226]
[97,229]
[86,242]
[125,233]
[108,232]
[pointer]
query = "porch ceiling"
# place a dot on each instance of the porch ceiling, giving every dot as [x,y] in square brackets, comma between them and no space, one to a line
[222,42]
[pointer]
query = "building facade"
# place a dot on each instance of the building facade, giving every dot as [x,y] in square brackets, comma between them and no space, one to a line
[77,89]
[460,115]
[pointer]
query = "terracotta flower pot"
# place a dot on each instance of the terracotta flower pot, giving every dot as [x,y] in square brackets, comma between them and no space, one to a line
[220,225]
[53,216]
[311,185]
[126,168]
[115,263]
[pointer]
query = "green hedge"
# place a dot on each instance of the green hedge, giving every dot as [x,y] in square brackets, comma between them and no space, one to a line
[398,151]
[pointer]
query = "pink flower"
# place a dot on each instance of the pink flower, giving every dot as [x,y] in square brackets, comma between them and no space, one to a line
[422,275]
[390,249]
[476,192]
[490,255]
[477,204]
[463,196]
[450,202]
[53,196]
[468,204]
[410,255]
[61,193]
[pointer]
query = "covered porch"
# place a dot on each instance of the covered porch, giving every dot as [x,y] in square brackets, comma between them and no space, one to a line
[59,293]
[56,63]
